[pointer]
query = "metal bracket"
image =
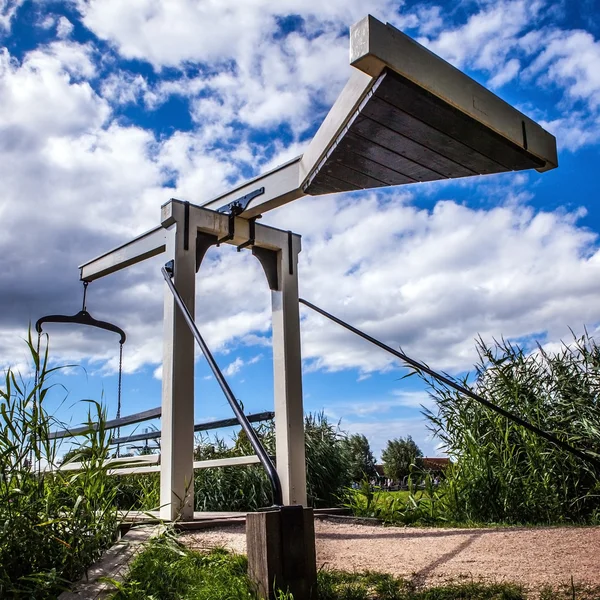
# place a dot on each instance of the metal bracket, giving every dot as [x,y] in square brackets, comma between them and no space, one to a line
[251,234]
[237,207]
[170,268]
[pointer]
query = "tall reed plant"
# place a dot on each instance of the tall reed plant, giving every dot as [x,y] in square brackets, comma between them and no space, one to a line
[505,473]
[53,523]
[247,488]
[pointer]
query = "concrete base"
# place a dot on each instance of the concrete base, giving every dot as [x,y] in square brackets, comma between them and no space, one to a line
[281,551]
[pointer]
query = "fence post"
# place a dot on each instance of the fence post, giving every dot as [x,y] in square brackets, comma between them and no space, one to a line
[281,552]
[177,438]
[287,375]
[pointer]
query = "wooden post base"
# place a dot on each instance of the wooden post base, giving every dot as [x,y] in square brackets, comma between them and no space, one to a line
[281,551]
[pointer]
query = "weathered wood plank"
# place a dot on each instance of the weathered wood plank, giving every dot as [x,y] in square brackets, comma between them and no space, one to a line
[392,140]
[373,151]
[418,131]
[355,179]
[281,551]
[323,178]
[346,156]
[438,114]
[113,565]
[319,189]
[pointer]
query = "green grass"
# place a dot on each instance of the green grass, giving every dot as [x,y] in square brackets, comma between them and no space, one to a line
[407,507]
[168,571]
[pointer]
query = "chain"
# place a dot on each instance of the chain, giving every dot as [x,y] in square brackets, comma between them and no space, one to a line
[32,454]
[119,393]
[85,285]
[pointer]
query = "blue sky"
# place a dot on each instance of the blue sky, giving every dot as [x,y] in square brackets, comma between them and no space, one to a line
[110,108]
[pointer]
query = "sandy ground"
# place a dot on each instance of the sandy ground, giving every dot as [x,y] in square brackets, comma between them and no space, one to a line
[533,557]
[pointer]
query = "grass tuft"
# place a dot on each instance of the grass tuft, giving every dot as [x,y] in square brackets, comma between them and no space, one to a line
[169,571]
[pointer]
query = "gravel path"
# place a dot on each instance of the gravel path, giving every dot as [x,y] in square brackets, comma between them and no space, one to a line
[533,557]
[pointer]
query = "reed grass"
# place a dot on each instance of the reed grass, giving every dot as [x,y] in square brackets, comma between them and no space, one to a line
[505,473]
[247,488]
[53,524]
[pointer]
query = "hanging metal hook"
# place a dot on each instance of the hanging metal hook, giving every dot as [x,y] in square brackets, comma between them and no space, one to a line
[85,284]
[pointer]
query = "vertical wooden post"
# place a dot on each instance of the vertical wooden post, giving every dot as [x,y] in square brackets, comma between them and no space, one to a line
[287,375]
[281,552]
[177,439]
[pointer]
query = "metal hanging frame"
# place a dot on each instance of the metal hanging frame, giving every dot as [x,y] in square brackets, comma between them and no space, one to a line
[83,317]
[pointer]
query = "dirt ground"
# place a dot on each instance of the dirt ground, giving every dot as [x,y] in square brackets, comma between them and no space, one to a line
[533,557]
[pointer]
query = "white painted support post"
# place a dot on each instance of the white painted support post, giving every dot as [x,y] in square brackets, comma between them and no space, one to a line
[177,439]
[287,367]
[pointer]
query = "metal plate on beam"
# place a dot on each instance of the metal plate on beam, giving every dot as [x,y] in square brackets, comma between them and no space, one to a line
[401,134]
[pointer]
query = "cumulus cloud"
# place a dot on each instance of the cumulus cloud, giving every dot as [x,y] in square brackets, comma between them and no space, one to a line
[78,179]
[236,366]
[64,27]
[569,62]
[431,280]
[8,9]
[206,32]
[515,41]
[76,182]
[570,59]
[262,64]
[487,38]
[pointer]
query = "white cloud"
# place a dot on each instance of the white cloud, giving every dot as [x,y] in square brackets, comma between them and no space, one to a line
[64,27]
[575,130]
[430,281]
[121,87]
[413,399]
[8,9]
[249,67]
[379,406]
[488,36]
[207,32]
[508,73]
[43,97]
[379,432]
[48,22]
[570,59]
[75,184]
[236,366]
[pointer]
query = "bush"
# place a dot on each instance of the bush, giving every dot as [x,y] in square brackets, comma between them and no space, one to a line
[327,465]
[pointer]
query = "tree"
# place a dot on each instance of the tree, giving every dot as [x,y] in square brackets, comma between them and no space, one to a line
[398,456]
[361,462]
